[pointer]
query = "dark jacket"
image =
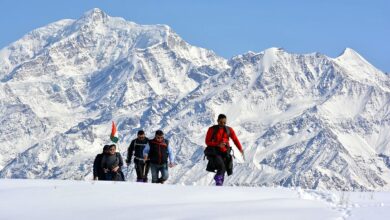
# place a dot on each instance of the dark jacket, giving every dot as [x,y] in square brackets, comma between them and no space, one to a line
[137,148]
[158,153]
[97,170]
[109,162]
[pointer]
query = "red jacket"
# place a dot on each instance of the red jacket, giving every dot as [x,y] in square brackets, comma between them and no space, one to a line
[220,137]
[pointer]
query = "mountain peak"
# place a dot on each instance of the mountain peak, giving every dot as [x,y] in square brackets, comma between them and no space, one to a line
[271,56]
[352,58]
[94,14]
[350,54]
[274,50]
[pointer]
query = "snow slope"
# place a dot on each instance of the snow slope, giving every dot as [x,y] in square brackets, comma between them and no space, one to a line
[304,120]
[54,199]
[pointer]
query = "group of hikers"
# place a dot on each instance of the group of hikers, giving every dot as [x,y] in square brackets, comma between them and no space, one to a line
[156,154]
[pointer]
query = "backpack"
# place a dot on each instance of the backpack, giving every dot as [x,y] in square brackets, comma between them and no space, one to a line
[216,128]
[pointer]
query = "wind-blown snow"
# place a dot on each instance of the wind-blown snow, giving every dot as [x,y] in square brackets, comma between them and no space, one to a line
[304,120]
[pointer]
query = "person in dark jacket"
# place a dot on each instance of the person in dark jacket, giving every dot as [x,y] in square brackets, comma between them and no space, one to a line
[111,165]
[218,150]
[158,151]
[97,170]
[137,147]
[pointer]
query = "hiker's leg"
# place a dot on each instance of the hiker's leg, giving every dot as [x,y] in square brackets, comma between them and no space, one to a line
[122,175]
[118,176]
[146,169]
[220,165]
[154,171]
[138,170]
[221,169]
[101,174]
[164,173]
[229,165]
[109,176]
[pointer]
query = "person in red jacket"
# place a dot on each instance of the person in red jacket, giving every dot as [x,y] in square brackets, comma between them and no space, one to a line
[218,150]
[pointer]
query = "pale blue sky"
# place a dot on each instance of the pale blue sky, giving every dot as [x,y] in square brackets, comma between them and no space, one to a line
[232,27]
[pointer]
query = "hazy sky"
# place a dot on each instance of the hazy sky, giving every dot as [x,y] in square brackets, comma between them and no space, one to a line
[232,27]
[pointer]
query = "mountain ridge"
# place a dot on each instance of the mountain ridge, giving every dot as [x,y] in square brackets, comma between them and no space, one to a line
[60,91]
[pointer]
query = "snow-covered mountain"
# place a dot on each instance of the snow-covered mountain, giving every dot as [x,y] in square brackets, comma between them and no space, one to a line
[304,120]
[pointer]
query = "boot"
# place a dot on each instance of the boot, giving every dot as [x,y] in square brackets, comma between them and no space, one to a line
[219,180]
[160,180]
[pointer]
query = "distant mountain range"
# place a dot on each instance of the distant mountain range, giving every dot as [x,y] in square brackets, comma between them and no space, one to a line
[304,120]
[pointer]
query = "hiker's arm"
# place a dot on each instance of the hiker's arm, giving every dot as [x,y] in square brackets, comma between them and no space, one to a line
[120,160]
[95,167]
[235,139]
[170,155]
[146,151]
[130,152]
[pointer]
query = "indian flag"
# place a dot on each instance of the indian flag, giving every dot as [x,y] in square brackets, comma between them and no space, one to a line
[114,136]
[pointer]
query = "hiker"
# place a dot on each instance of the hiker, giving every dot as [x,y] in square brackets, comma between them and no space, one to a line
[111,165]
[218,150]
[137,147]
[158,151]
[97,170]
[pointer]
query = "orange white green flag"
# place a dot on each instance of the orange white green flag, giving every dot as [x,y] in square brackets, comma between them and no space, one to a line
[114,135]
